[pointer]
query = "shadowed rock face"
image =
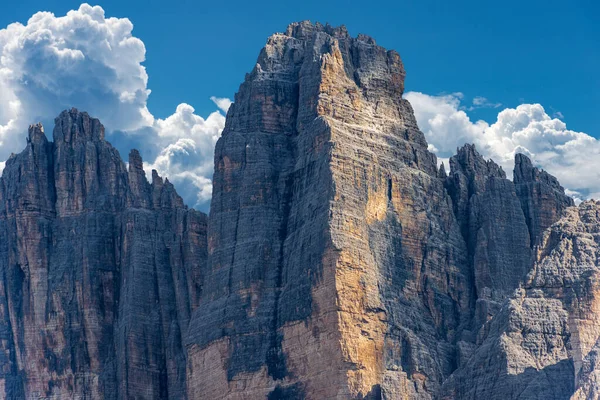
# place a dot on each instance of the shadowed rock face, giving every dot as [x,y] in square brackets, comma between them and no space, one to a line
[544,342]
[542,198]
[338,261]
[328,227]
[492,223]
[99,271]
[342,262]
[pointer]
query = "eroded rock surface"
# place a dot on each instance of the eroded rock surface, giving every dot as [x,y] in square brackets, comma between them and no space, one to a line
[338,260]
[343,263]
[542,197]
[543,344]
[99,271]
[492,222]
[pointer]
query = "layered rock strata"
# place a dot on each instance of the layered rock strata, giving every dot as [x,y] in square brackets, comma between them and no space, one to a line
[99,271]
[542,197]
[544,342]
[338,261]
[342,262]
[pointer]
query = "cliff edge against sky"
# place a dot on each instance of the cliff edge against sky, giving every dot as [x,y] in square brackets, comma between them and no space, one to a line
[338,260]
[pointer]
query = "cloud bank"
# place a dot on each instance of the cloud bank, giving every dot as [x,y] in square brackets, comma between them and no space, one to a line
[188,144]
[573,157]
[82,58]
[94,63]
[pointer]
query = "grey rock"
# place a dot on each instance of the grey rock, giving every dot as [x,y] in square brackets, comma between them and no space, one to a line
[543,199]
[338,261]
[343,263]
[99,271]
[329,227]
[492,222]
[544,341]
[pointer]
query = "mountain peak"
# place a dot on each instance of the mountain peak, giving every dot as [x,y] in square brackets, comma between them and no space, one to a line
[338,260]
[36,133]
[471,162]
[135,160]
[75,126]
[525,172]
[304,29]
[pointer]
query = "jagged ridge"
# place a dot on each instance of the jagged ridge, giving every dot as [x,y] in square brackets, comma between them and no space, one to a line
[99,270]
[338,260]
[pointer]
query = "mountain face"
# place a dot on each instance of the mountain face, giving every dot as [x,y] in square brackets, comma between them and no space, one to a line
[544,341]
[100,271]
[338,261]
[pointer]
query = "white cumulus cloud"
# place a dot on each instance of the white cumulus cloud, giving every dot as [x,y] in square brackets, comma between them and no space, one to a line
[222,103]
[188,143]
[482,102]
[94,63]
[573,157]
[81,59]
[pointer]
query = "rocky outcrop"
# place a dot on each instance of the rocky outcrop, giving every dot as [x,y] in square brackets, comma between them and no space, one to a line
[342,262]
[544,342]
[492,222]
[323,241]
[99,271]
[501,221]
[543,199]
[338,260]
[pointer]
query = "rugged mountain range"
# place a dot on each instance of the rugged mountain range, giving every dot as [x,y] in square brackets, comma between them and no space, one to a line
[338,260]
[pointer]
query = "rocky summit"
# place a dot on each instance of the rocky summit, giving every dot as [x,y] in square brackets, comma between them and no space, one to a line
[338,260]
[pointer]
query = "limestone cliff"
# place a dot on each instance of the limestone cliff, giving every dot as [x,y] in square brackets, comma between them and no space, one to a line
[542,197]
[99,271]
[342,263]
[544,342]
[328,227]
[338,261]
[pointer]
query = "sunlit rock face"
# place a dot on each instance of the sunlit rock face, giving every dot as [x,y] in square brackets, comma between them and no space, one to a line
[328,227]
[338,261]
[342,262]
[99,271]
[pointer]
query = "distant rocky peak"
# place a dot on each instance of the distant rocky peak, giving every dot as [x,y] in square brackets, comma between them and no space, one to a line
[469,162]
[525,172]
[542,197]
[99,264]
[338,260]
[75,126]
[442,172]
[36,133]
[305,29]
[80,171]
[164,194]
[135,161]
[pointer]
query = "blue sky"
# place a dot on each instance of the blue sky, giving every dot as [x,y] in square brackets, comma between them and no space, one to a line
[510,53]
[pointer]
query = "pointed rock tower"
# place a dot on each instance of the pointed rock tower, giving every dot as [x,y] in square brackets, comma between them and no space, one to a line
[99,271]
[336,267]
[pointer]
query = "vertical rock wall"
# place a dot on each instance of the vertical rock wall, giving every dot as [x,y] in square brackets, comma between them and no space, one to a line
[342,263]
[99,271]
[338,260]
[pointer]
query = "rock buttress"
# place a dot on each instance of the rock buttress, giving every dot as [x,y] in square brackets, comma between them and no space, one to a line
[97,281]
[336,268]
[545,341]
[543,199]
[338,260]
